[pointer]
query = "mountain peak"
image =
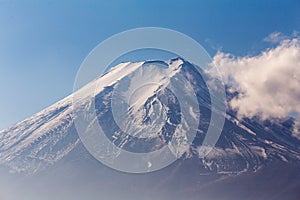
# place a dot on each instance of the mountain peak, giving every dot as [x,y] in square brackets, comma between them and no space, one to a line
[50,135]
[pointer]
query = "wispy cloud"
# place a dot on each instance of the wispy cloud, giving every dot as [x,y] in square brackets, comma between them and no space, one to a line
[269,83]
[278,37]
[275,37]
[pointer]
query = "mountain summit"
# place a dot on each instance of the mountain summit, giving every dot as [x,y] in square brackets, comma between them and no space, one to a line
[50,136]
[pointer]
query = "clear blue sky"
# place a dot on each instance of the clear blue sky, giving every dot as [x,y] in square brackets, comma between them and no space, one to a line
[42,43]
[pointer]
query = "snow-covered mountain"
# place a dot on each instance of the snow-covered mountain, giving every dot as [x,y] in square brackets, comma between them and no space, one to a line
[50,136]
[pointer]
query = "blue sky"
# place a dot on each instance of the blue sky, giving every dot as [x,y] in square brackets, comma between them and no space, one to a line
[42,43]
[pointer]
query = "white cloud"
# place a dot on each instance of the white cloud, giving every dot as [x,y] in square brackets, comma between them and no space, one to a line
[269,83]
[278,37]
[275,37]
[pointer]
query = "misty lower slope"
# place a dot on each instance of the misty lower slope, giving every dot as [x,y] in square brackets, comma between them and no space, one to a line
[47,147]
[86,178]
